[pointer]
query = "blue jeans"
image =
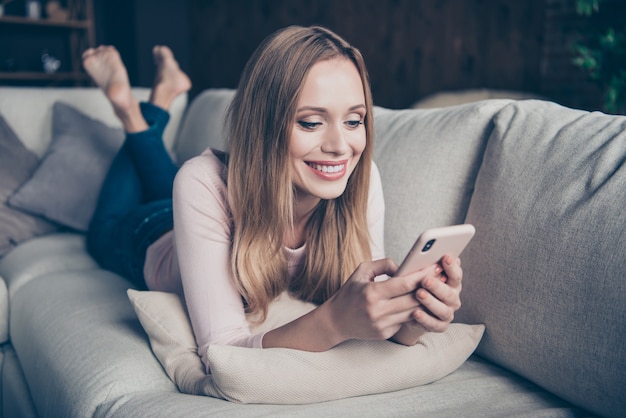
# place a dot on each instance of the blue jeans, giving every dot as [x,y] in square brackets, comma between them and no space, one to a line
[135,204]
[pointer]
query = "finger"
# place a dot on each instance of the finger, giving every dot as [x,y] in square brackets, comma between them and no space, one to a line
[401,285]
[437,308]
[453,271]
[438,297]
[394,321]
[367,271]
[429,322]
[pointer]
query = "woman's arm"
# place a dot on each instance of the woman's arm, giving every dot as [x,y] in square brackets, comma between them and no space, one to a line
[361,309]
[202,239]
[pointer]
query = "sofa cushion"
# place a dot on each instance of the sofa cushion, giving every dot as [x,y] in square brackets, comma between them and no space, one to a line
[43,256]
[29,111]
[203,125]
[428,161]
[546,269]
[79,343]
[66,185]
[285,376]
[17,164]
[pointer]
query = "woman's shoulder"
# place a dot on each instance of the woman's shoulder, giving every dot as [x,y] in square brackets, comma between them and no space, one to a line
[211,162]
[203,173]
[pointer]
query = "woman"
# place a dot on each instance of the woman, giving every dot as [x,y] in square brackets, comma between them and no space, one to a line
[296,205]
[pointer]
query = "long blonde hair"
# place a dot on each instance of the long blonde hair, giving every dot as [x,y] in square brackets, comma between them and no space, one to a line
[260,189]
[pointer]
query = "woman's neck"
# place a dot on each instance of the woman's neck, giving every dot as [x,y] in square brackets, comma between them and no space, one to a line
[303,209]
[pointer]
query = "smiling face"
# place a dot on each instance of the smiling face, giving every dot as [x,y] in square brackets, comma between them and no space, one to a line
[328,136]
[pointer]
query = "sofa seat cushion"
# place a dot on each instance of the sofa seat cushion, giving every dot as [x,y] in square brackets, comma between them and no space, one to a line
[428,161]
[44,256]
[546,270]
[477,389]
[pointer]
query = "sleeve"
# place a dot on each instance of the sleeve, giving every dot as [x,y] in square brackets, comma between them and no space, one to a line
[376,215]
[202,236]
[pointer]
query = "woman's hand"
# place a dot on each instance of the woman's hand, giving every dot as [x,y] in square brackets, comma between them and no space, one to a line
[365,309]
[402,307]
[439,297]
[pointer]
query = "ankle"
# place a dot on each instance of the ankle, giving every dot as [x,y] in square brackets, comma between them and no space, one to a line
[131,118]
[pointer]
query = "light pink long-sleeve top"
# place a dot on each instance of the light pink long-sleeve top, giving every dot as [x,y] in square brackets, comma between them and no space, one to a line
[195,260]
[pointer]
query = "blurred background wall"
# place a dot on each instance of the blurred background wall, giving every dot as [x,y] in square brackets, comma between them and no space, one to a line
[413,48]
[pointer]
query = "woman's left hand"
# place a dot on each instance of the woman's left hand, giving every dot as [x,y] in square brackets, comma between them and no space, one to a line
[439,297]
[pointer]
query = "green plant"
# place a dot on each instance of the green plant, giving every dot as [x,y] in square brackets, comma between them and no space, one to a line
[603,54]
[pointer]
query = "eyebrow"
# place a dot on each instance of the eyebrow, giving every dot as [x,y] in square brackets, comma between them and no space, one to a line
[323,110]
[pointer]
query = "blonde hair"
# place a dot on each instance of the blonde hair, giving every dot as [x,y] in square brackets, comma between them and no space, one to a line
[260,189]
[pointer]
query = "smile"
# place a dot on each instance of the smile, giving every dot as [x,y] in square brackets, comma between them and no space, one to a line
[330,169]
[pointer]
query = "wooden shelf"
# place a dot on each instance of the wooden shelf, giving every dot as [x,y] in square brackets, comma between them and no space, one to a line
[77,33]
[68,24]
[35,76]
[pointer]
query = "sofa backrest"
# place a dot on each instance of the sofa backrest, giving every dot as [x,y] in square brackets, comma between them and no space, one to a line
[28,110]
[203,124]
[546,271]
[428,161]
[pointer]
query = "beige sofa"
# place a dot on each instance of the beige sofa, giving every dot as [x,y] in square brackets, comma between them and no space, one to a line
[544,185]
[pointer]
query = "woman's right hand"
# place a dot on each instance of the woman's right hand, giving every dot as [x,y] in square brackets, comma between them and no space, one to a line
[366,309]
[361,309]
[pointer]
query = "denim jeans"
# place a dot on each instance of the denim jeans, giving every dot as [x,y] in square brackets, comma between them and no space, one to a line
[135,204]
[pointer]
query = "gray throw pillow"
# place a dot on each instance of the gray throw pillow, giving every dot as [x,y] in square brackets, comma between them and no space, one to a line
[17,163]
[428,161]
[66,185]
[546,271]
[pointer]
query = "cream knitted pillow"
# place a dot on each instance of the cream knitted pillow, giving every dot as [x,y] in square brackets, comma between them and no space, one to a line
[286,376]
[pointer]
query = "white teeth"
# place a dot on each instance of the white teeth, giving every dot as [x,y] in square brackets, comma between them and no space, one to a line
[327,168]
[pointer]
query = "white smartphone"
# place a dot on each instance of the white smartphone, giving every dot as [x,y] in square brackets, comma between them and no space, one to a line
[433,244]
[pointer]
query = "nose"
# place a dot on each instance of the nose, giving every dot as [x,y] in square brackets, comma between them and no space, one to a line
[335,140]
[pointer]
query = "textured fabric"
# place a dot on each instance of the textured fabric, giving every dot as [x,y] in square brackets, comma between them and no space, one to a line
[285,376]
[88,356]
[203,244]
[296,377]
[82,343]
[428,160]
[16,165]
[42,256]
[476,390]
[546,269]
[65,186]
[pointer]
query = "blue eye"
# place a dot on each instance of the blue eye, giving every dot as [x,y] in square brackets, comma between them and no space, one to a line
[309,125]
[353,124]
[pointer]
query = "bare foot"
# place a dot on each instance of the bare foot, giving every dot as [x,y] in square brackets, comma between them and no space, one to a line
[170,80]
[105,67]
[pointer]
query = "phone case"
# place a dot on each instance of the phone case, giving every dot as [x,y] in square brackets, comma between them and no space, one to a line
[433,244]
